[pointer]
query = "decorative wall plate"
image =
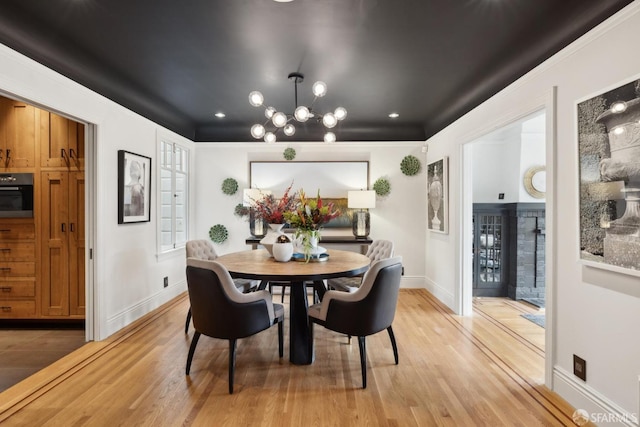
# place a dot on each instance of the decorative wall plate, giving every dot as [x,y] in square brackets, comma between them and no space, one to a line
[535,181]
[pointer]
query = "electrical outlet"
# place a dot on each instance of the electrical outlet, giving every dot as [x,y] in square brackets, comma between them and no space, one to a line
[580,368]
[500,196]
[166,281]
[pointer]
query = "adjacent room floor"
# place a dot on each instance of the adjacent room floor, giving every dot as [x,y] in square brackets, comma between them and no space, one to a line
[25,349]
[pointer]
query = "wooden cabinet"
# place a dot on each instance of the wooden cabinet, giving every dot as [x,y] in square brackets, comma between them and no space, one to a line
[42,259]
[63,243]
[17,269]
[17,134]
[61,143]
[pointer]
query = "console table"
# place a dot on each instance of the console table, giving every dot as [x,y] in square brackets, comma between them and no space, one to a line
[329,240]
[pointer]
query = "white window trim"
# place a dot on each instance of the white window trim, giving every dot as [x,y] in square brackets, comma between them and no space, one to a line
[178,249]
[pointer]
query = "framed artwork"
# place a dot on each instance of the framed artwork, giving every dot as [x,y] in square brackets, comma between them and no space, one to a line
[134,187]
[437,195]
[608,133]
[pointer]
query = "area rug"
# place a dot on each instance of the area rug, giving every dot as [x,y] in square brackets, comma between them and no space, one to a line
[538,319]
[538,302]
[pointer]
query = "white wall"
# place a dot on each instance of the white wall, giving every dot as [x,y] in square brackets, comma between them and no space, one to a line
[399,217]
[501,159]
[128,277]
[595,313]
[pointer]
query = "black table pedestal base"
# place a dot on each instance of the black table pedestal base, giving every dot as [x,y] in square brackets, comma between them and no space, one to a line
[300,338]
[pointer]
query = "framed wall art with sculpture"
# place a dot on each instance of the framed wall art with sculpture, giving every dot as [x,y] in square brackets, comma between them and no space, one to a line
[437,195]
[608,133]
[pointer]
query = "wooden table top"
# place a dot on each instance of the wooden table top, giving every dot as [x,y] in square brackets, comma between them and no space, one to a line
[257,264]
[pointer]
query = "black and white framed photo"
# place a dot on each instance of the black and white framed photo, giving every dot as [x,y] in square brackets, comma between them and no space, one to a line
[134,187]
[608,133]
[437,192]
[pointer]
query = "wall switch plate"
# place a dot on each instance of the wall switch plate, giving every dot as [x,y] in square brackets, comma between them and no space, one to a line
[500,196]
[580,368]
[166,281]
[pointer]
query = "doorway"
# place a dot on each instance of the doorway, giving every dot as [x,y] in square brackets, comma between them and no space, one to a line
[54,316]
[495,165]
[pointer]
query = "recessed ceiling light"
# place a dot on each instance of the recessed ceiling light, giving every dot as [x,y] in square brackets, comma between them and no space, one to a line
[394,115]
[220,115]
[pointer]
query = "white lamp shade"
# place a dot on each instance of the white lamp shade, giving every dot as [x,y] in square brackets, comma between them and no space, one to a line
[269,112]
[250,196]
[319,89]
[257,131]
[340,113]
[364,199]
[301,114]
[329,137]
[279,119]
[269,137]
[255,98]
[329,120]
[289,129]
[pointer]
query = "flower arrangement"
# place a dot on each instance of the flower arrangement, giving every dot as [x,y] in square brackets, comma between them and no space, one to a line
[273,210]
[308,218]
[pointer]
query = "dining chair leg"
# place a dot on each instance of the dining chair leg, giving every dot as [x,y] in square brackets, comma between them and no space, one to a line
[192,349]
[363,360]
[186,325]
[232,363]
[393,343]
[281,339]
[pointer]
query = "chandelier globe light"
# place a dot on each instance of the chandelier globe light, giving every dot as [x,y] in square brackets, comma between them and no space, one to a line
[301,114]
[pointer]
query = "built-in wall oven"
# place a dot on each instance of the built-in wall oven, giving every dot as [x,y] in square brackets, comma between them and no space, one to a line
[16,195]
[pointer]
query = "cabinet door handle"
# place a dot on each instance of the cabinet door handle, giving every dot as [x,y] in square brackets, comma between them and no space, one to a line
[5,249]
[5,230]
[63,153]
[6,309]
[0,154]
[63,227]
[6,288]
[72,227]
[71,153]
[8,154]
[5,268]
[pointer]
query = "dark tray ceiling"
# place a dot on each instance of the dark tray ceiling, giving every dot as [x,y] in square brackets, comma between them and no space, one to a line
[177,63]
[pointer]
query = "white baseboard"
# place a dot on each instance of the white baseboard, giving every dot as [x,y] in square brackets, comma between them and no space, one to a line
[602,411]
[133,313]
[444,295]
[413,282]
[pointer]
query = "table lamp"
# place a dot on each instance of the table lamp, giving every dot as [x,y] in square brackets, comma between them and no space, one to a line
[250,196]
[362,200]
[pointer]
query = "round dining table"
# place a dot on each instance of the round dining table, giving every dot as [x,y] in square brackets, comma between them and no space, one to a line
[259,265]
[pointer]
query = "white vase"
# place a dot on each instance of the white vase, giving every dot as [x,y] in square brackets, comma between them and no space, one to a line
[272,234]
[282,252]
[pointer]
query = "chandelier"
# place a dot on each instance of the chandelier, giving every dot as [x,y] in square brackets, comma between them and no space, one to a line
[301,114]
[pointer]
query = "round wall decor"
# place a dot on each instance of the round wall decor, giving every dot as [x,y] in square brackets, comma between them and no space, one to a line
[229,186]
[289,153]
[218,233]
[382,187]
[535,181]
[410,165]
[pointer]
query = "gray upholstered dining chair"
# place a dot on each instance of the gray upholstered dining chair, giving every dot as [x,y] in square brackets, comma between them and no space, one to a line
[203,249]
[379,249]
[366,311]
[221,311]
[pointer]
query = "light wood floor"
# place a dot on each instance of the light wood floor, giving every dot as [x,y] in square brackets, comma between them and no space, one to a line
[453,371]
